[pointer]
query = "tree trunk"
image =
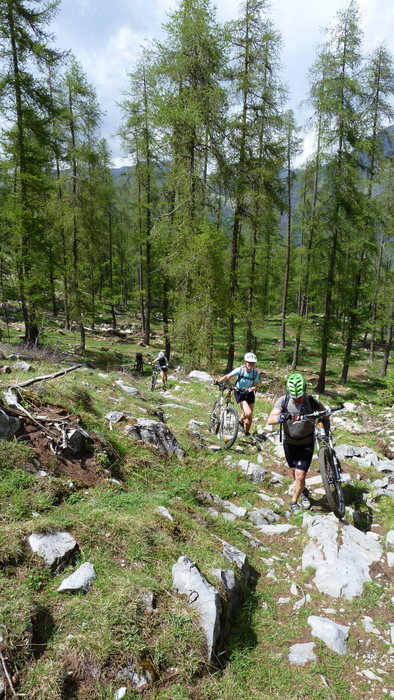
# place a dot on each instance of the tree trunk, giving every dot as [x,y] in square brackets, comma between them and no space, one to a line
[352,320]
[389,338]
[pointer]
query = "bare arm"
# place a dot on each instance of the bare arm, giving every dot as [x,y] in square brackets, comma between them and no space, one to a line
[273,417]
[224,378]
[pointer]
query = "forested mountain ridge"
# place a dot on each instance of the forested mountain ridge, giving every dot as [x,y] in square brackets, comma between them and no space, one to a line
[208,231]
[387,141]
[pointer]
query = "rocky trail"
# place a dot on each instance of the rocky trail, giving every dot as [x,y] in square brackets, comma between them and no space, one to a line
[335,578]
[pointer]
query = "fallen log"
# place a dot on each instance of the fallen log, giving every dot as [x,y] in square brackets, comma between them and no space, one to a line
[47,376]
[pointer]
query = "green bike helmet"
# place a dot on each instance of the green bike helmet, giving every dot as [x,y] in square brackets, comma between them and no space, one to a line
[296,385]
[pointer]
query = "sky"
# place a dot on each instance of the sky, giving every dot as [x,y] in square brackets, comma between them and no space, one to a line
[106,36]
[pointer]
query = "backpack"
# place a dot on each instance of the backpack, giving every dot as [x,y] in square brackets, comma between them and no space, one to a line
[255,375]
[314,404]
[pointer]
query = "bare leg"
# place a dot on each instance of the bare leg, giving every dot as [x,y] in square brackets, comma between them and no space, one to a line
[247,410]
[299,477]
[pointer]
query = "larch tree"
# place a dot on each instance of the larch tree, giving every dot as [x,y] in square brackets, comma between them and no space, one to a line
[253,45]
[292,148]
[138,138]
[336,93]
[189,64]
[82,119]
[26,104]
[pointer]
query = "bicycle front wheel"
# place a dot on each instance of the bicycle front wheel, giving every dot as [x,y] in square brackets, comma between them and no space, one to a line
[228,429]
[332,486]
[214,419]
[153,381]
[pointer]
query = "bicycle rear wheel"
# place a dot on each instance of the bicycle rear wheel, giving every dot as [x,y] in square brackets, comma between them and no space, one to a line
[332,486]
[228,429]
[214,419]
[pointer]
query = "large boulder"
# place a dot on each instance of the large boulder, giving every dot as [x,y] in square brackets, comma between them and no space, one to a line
[157,434]
[202,596]
[341,555]
[201,376]
[231,598]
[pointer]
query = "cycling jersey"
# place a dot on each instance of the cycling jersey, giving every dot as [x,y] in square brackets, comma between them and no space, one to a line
[298,432]
[245,380]
[163,363]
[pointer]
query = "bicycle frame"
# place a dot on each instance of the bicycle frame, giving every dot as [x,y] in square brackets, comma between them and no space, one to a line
[224,417]
[330,468]
[225,400]
[155,374]
[323,438]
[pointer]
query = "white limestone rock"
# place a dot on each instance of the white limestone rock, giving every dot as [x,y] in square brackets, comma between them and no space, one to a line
[390,558]
[188,580]
[176,405]
[56,548]
[333,635]
[369,626]
[157,434]
[114,416]
[253,471]
[164,512]
[300,654]
[201,376]
[126,388]
[235,556]
[341,555]
[279,529]
[81,580]
[22,366]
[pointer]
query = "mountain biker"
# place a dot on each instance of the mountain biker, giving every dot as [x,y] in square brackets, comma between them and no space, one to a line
[298,435]
[163,366]
[245,388]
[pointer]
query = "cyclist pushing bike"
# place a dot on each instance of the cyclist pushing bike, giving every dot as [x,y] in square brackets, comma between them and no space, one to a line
[247,380]
[162,363]
[298,434]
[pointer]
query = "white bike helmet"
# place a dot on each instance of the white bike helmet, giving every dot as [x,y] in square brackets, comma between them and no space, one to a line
[250,357]
[161,353]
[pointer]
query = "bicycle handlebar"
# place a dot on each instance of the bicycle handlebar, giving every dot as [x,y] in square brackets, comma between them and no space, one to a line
[327,412]
[223,386]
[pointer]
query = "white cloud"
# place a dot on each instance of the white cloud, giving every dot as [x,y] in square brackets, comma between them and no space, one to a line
[106,37]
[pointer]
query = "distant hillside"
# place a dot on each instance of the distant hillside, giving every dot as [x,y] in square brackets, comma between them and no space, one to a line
[388,141]
[125,170]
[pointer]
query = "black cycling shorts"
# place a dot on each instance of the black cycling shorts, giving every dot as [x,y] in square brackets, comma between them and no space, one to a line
[249,396]
[298,456]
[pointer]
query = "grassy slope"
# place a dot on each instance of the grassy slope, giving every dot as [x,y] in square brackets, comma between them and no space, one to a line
[80,642]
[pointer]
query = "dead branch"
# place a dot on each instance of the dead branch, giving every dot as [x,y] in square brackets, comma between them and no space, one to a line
[47,376]
[8,677]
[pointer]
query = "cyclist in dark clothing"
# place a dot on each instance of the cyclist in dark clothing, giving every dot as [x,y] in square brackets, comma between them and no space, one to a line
[163,366]
[298,435]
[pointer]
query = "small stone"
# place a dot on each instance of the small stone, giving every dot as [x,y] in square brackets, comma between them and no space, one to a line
[300,654]
[165,513]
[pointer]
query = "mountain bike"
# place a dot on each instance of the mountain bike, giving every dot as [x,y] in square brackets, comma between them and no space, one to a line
[330,468]
[155,374]
[224,420]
